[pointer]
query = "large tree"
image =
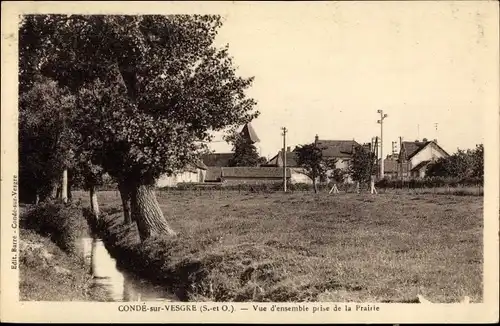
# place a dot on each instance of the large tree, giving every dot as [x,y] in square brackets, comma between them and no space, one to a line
[150,89]
[314,164]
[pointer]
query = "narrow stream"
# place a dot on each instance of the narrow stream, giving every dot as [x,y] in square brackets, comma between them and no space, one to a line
[120,285]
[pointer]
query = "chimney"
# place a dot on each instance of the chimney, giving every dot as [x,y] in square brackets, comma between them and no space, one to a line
[424,140]
[436,141]
[288,149]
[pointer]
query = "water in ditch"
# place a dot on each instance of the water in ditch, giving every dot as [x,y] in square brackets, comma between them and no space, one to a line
[118,284]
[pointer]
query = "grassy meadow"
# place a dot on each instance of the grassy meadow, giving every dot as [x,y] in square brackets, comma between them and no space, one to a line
[305,247]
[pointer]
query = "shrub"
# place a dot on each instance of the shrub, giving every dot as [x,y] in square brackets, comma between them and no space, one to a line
[62,223]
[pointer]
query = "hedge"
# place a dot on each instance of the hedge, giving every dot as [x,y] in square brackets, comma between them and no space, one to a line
[62,223]
[263,187]
[434,182]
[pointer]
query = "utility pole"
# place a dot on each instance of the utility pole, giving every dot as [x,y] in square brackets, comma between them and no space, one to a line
[284,157]
[381,121]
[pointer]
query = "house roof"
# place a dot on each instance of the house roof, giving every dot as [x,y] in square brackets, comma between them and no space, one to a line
[331,148]
[420,165]
[412,148]
[249,133]
[278,158]
[337,148]
[217,159]
[253,172]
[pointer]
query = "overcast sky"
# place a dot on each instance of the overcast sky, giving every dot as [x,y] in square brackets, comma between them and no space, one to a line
[327,68]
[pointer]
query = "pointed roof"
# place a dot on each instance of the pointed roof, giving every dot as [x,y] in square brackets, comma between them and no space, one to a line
[277,160]
[410,149]
[249,133]
[337,148]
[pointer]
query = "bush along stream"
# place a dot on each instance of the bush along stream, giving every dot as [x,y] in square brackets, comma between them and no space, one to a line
[51,266]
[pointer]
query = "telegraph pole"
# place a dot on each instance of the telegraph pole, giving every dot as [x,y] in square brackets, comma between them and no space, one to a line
[381,121]
[284,157]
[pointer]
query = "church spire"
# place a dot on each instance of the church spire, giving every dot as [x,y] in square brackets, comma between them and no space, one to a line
[249,133]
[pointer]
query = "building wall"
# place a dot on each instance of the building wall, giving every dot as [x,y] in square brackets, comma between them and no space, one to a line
[390,175]
[403,170]
[428,153]
[202,175]
[419,173]
[342,164]
[186,176]
[298,177]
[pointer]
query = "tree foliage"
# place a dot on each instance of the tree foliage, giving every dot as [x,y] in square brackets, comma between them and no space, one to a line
[262,160]
[44,137]
[362,165]
[150,88]
[314,164]
[338,175]
[245,152]
[462,164]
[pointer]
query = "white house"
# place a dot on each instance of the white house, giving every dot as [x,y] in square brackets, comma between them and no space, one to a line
[194,172]
[414,157]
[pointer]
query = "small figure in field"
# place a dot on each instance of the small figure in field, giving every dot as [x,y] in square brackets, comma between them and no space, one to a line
[372,185]
[357,187]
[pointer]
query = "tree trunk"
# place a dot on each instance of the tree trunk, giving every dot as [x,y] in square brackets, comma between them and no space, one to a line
[315,186]
[64,195]
[125,196]
[94,204]
[70,195]
[147,213]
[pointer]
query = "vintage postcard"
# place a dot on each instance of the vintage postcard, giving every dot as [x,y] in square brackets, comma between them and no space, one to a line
[262,162]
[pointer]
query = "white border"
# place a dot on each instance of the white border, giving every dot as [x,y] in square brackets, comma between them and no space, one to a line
[13,310]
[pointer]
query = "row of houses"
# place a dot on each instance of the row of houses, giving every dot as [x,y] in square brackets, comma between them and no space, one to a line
[411,162]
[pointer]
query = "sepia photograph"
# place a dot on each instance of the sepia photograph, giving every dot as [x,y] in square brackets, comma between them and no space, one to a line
[283,156]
